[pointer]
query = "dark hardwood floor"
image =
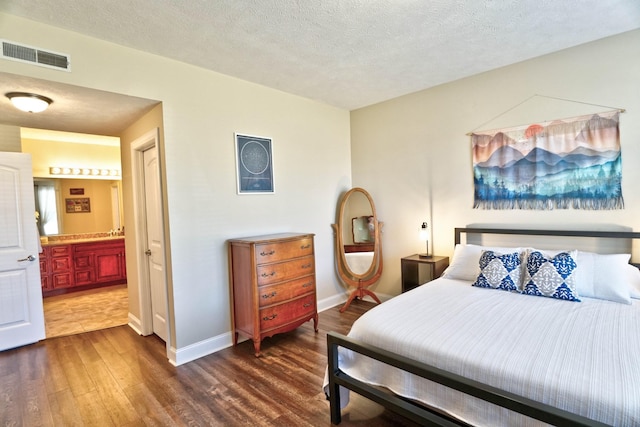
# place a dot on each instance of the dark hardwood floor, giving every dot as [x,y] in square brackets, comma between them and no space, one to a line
[114,377]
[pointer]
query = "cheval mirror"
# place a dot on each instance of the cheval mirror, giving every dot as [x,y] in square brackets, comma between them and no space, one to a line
[358,244]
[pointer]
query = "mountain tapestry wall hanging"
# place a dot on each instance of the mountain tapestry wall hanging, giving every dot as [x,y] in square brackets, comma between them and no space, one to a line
[572,163]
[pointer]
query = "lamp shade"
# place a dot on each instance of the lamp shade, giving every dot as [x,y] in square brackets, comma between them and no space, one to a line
[29,102]
[424,233]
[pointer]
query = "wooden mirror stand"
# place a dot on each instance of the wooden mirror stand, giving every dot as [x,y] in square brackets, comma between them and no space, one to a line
[357,203]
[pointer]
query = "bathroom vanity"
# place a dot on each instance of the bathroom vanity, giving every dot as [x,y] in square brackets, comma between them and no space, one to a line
[82,262]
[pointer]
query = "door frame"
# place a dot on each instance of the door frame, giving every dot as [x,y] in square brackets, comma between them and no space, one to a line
[138,147]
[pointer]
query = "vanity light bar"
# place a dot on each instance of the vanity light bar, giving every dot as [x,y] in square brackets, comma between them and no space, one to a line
[57,170]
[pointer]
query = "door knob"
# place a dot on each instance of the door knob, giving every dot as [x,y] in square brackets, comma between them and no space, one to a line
[147,252]
[29,258]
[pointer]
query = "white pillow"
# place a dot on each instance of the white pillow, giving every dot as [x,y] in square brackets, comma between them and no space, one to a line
[633,277]
[465,262]
[604,276]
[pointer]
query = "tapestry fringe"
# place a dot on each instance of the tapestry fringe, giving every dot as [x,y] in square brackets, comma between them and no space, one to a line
[587,204]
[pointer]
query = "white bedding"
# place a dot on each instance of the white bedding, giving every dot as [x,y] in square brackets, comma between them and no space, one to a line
[583,357]
[359,262]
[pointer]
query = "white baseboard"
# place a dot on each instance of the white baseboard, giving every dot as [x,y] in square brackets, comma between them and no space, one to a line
[200,349]
[211,345]
[330,302]
[135,324]
[327,303]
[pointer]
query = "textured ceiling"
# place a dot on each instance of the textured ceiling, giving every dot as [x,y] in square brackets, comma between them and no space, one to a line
[347,53]
[74,109]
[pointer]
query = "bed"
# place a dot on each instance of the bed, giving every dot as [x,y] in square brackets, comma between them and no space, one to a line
[359,262]
[470,349]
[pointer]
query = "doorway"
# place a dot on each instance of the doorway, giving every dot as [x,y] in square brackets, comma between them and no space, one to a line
[90,111]
[80,160]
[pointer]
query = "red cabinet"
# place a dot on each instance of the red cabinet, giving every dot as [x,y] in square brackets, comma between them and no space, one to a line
[86,265]
[111,263]
[99,262]
[84,270]
[56,267]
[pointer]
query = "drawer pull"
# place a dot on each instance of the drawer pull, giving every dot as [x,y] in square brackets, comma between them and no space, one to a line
[307,305]
[273,273]
[305,246]
[306,285]
[267,318]
[306,265]
[271,252]
[267,296]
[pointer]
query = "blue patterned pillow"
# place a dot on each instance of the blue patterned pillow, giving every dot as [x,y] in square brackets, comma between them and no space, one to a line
[499,271]
[553,277]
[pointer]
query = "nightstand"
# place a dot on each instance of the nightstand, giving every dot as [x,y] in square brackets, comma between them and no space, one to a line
[417,270]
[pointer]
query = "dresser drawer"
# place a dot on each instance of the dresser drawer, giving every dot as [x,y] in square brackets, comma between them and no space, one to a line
[280,271]
[271,252]
[278,315]
[273,294]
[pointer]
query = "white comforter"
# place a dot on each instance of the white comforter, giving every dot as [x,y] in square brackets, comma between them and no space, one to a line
[359,262]
[582,357]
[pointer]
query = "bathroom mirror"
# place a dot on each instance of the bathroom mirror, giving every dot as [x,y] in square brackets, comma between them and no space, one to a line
[358,244]
[53,195]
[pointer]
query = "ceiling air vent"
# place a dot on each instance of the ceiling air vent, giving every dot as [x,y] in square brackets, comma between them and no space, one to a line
[35,56]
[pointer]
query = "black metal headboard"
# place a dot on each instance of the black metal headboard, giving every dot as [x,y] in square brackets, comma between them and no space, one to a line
[561,233]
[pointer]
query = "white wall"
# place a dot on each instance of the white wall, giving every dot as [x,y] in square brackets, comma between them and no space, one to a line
[414,156]
[202,110]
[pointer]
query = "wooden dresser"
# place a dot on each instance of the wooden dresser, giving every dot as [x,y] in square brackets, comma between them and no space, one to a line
[272,283]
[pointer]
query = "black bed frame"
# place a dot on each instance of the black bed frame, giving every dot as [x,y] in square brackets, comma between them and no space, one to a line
[423,414]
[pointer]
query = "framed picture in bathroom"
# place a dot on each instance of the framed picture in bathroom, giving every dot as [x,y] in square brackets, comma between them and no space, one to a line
[78,205]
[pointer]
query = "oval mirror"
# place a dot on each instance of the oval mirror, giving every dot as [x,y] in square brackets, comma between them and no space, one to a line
[358,243]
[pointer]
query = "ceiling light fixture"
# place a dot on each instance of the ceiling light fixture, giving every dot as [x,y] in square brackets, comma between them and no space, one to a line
[29,102]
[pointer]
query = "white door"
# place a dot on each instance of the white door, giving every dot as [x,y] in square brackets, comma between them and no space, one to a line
[21,313]
[155,251]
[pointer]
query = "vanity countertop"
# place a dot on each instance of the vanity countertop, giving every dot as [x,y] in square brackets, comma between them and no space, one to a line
[68,239]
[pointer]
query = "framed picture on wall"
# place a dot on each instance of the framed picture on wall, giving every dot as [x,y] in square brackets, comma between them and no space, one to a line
[254,164]
[78,205]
